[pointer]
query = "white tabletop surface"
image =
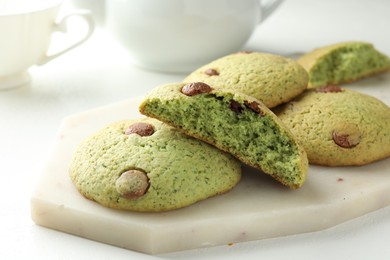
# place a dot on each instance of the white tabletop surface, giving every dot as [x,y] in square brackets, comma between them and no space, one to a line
[100,73]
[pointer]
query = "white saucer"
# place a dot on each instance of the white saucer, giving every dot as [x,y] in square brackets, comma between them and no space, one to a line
[15,80]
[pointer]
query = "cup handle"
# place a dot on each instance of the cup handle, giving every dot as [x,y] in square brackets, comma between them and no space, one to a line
[62,27]
[267,7]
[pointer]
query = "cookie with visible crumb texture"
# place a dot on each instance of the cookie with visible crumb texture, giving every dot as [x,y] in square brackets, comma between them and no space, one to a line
[342,63]
[270,78]
[233,122]
[339,127]
[147,166]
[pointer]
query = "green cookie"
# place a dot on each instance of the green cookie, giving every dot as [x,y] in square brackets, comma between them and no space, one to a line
[145,165]
[270,78]
[339,127]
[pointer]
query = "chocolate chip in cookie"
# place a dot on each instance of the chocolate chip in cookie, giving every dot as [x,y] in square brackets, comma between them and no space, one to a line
[211,72]
[140,128]
[235,106]
[329,89]
[254,106]
[196,88]
[345,140]
[132,184]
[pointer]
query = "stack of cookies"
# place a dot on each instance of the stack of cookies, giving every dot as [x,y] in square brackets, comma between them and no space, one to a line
[338,126]
[227,102]
[245,108]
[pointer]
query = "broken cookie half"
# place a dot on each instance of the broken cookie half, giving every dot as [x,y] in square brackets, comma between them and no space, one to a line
[342,63]
[233,122]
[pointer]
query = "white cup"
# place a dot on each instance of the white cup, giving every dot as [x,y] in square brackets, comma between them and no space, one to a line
[181,35]
[26,28]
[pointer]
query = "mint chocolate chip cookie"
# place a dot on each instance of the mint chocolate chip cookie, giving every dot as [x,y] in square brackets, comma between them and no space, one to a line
[270,78]
[146,165]
[339,127]
[343,62]
[233,122]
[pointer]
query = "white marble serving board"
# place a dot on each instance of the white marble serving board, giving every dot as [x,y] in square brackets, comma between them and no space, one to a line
[257,208]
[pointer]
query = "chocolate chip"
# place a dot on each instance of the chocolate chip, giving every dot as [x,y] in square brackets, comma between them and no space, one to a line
[245,52]
[329,89]
[211,72]
[132,184]
[345,140]
[142,129]
[235,106]
[255,107]
[196,88]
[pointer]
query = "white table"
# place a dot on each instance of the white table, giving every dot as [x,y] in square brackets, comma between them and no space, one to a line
[99,73]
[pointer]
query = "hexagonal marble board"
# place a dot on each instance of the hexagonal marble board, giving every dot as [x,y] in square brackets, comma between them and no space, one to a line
[256,208]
